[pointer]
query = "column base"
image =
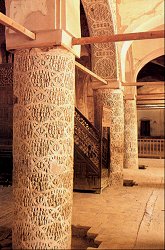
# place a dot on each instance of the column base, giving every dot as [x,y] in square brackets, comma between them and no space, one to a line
[116,179]
[131,163]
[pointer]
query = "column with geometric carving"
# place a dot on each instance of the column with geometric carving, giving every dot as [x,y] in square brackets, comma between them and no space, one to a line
[44,82]
[112,99]
[130,134]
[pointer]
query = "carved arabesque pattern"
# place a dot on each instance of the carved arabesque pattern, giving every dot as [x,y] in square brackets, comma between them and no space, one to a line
[85,123]
[6,74]
[113,4]
[114,100]
[100,22]
[44,82]
[105,153]
[130,135]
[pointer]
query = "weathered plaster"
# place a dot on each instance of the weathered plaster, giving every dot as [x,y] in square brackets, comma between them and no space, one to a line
[134,13]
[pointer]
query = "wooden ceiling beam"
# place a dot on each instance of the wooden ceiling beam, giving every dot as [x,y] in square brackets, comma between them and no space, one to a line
[151,102]
[118,37]
[151,96]
[142,83]
[151,105]
[146,108]
[89,72]
[5,20]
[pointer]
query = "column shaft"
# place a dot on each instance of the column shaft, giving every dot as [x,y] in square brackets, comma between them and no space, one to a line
[130,135]
[113,99]
[44,81]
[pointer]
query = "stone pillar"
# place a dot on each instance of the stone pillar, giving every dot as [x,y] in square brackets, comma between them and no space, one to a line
[44,82]
[130,134]
[113,99]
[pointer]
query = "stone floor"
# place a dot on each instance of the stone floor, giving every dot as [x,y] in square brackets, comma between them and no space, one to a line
[126,217]
[119,218]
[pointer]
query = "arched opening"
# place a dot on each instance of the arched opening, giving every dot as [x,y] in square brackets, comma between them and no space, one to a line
[153,71]
[151,104]
[100,22]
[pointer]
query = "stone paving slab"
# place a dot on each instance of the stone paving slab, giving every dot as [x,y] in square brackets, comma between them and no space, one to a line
[118,218]
[126,217]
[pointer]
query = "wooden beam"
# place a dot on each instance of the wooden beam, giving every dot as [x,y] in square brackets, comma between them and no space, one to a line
[151,97]
[157,63]
[129,97]
[152,94]
[142,83]
[16,26]
[89,72]
[119,37]
[146,108]
[151,105]
[150,102]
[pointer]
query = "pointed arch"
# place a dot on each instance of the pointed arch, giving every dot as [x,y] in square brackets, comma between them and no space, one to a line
[100,17]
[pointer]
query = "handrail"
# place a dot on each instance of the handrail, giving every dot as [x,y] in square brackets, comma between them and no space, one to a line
[149,139]
[151,147]
[90,141]
[87,131]
[87,121]
[87,138]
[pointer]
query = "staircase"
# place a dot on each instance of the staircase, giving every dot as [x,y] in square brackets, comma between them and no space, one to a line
[91,156]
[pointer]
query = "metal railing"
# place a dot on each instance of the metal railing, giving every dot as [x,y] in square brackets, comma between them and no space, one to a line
[151,148]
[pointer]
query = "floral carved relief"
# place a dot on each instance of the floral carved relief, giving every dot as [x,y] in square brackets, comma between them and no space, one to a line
[100,22]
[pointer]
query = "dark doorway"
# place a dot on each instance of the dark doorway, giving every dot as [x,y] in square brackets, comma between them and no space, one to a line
[145,128]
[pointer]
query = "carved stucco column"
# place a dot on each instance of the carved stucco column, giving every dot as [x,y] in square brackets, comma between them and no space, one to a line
[112,99]
[130,134]
[44,82]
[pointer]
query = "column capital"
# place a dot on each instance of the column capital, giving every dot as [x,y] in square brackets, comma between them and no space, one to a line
[130,92]
[111,84]
[129,97]
[54,22]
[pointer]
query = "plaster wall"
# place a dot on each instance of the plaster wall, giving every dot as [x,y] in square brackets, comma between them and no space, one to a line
[50,20]
[51,14]
[138,16]
[142,48]
[157,122]
[133,13]
[81,92]
[141,51]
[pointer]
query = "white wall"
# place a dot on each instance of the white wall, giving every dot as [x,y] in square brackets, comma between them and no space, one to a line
[156,118]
